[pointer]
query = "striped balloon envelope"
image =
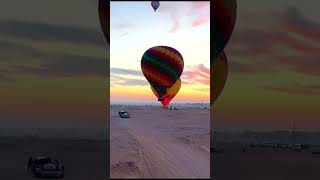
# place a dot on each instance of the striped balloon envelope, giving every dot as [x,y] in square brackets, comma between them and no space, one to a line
[224,19]
[104,16]
[162,66]
[218,76]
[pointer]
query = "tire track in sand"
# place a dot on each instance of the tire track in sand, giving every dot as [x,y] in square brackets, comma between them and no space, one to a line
[163,157]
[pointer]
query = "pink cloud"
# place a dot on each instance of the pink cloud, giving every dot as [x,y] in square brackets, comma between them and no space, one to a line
[294,20]
[200,5]
[173,15]
[286,43]
[195,8]
[197,75]
[176,25]
[204,19]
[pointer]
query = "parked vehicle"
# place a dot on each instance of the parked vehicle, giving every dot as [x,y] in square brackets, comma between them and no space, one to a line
[172,108]
[44,166]
[124,114]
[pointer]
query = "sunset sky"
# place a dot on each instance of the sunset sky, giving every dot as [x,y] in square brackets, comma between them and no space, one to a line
[135,27]
[54,62]
[53,65]
[274,67]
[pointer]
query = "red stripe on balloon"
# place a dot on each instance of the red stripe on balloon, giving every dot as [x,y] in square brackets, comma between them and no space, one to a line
[156,76]
[169,58]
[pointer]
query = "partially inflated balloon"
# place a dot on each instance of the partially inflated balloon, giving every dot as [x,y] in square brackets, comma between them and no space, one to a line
[170,92]
[218,77]
[224,18]
[162,66]
[155,5]
[104,16]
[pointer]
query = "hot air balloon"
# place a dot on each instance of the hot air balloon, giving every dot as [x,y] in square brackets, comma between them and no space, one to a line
[218,76]
[155,5]
[104,16]
[224,18]
[162,66]
[170,92]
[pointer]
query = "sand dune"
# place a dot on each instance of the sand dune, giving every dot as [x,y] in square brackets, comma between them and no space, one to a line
[158,143]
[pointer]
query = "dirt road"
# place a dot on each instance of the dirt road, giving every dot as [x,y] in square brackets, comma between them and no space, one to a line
[159,144]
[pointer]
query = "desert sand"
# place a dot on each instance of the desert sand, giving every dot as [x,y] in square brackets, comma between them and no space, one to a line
[83,159]
[159,143]
[261,163]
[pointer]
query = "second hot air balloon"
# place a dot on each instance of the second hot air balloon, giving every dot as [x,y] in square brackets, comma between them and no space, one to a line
[155,5]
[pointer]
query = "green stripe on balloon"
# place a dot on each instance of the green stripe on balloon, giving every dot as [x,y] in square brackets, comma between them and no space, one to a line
[161,90]
[157,64]
[169,56]
[170,62]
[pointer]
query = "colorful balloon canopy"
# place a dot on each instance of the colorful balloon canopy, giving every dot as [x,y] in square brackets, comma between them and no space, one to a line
[224,18]
[104,16]
[162,66]
[218,76]
[155,5]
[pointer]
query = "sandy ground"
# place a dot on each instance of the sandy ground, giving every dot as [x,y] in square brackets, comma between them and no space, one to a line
[159,143]
[83,159]
[264,164]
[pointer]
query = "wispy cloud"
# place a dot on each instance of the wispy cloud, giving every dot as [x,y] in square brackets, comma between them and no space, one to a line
[122,25]
[116,80]
[49,33]
[127,77]
[193,75]
[293,43]
[295,21]
[201,10]
[176,24]
[197,75]
[200,5]
[173,15]
[123,71]
[203,19]
[297,89]
[14,60]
